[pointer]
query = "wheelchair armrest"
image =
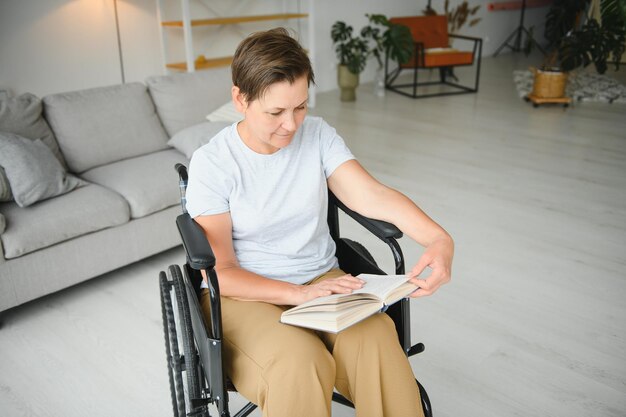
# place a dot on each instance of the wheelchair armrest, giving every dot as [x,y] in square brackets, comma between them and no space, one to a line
[381,229]
[199,253]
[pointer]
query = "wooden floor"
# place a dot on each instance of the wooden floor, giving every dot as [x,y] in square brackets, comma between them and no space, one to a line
[533,323]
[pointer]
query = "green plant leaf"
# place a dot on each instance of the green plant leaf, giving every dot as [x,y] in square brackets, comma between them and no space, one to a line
[340,32]
[399,43]
[561,19]
[578,43]
[378,19]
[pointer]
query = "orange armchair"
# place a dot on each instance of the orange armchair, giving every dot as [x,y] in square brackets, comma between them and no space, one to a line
[432,51]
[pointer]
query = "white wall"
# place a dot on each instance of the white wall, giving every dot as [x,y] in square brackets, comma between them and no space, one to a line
[48,46]
[141,42]
[56,45]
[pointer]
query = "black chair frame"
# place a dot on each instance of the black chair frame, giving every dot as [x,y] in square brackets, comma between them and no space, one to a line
[445,72]
[197,377]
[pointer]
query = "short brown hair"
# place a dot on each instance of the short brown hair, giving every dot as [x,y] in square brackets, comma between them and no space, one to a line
[268,57]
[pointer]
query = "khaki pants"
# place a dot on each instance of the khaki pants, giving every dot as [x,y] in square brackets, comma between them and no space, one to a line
[291,371]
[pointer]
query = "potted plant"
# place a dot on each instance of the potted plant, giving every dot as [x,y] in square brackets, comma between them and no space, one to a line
[352,52]
[388,39]
[376,39]
[575,43]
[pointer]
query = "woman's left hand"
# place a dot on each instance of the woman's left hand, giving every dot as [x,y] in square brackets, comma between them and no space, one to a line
[438,256]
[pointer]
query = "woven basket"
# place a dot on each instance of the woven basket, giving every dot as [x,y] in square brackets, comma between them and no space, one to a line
[549,84]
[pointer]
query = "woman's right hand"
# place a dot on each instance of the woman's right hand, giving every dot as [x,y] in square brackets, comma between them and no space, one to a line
[341,285]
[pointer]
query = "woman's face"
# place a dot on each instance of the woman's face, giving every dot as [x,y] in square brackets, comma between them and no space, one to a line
[272,120]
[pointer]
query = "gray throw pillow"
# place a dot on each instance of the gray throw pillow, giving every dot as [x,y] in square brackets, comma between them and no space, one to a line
[22,115]
[5,188]
[34,173]
[188,140]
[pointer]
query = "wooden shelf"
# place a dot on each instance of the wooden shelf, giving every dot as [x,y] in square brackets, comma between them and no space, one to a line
[204,64]
[235,19]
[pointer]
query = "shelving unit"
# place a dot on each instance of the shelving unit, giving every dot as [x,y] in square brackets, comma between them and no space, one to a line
[201,64]
[186,24]
[205,63]
[236,19]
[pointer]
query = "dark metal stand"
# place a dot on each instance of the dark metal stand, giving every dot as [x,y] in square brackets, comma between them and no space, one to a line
[516,46]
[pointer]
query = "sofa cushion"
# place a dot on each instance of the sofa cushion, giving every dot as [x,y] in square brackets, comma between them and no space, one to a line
[33,172]
[22,116]
[3,223]
[183,100]
[191,138]
[102,125]
[149,182]
[86,209]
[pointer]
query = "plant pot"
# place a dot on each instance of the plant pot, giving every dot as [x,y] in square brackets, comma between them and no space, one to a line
[348,82]
[549,84]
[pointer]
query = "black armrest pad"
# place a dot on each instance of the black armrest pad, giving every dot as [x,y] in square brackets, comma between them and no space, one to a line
[199,253]
[381,229]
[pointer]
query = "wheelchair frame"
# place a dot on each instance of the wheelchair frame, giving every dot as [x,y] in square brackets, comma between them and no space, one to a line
[196,376]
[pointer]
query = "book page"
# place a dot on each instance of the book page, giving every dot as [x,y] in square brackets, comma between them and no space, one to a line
[333,302]
[332,322]
[377,289]
[400,292]
[345,309]
[381,285]
[338,311]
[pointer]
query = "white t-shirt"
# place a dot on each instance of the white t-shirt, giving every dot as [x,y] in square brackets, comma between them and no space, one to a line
[278,202]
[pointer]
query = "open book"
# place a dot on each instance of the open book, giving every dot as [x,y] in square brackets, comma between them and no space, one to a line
[339,311]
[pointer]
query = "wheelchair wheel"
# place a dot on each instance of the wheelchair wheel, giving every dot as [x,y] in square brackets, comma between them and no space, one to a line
[171,346]
[182,369]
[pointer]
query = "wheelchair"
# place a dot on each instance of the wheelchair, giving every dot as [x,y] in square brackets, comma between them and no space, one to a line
[193,343]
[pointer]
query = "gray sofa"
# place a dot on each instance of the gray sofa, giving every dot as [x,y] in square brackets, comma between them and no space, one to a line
[112,143]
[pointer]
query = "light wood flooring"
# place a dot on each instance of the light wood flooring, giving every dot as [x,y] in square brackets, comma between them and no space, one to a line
[533,323]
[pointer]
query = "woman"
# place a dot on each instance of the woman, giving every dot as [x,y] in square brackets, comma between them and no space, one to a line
[259,191]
